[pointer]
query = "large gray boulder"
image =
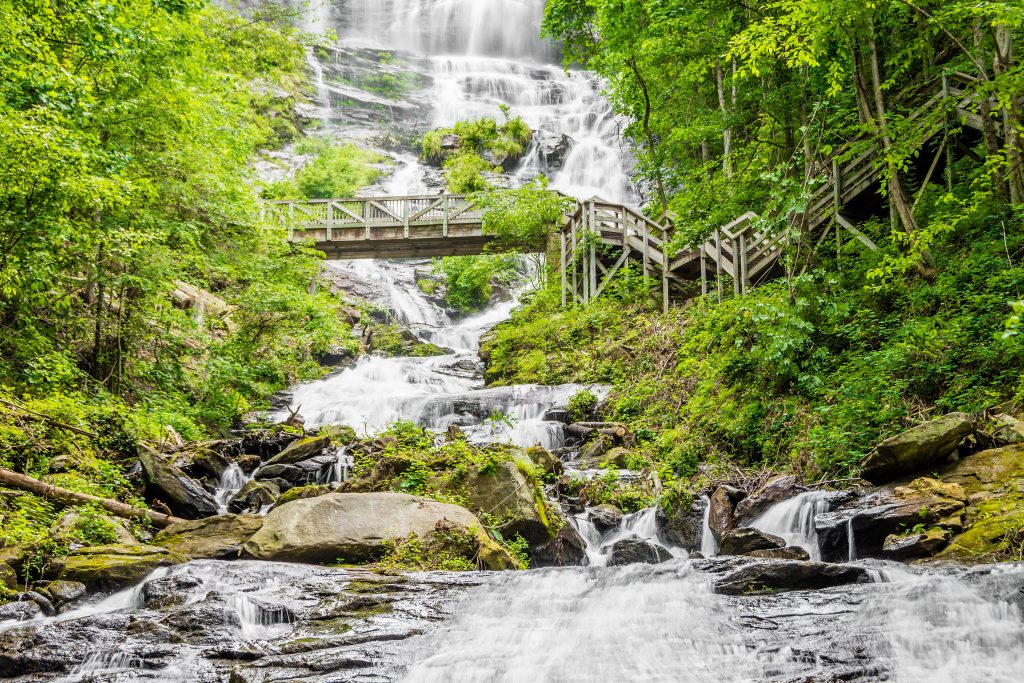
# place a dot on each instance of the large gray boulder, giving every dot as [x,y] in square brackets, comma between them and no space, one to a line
[746,540]
[917,448]
[255,496]
[303,449]
[354,527]
[770,576]
[507,493]
[114,566]
[218,538]
[637,551]
[684,525]
[721,517]
[185,496]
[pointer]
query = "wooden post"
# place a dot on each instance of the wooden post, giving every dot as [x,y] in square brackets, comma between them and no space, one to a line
[366,217]
[737,268]
[330,219]
[743,263]
[561,243]
[646,258]
[703,273]
[718,264]
[405,218]
[593,252]
[444,226]
[664,277]
[572,242]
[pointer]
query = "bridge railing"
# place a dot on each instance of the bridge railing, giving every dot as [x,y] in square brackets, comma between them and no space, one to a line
[367,213]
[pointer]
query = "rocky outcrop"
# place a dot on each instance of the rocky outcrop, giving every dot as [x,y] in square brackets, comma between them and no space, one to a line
[181,493]
[722,513]
[510,495]
[566,549]
[605,517]
[254,496]
[913,546]
[553,148]
[354,527]
[219,538]
[113,566]
[921,447]
[636,551]
[744,576]
[8,577]
[774,491]
[301,450]
[683,526]
[790,552]
[545,460]
[746,540]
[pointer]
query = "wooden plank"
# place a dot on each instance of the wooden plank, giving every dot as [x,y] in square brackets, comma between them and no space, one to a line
[864,239]
[561,243]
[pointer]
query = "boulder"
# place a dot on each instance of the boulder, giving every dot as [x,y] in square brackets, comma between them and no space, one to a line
[918,448]
[684,526]
[62,592]
[723,504]
[746,540]
[592,452]
[637,551]
[254,496]
[181,493]
[113,566]
[605,517]
[914,546]
[168,591]
[335,355]
[566,549]
[508,494]
[770,576]
[303,449]
[219,538]
[790,552]
[291,474]
[553,148]
[266,443]
[355,526]
[208,461]
[248,463]
[21,609]
[8,577]
[774,491]
[68,525]
[339,435]
[300,492]
[545,460]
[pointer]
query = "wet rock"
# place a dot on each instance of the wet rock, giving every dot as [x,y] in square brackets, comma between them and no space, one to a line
[254,496]
[553,148]
[566,549]
[605,517]
[636,551]
[208,461]
[301,450]
[913,546]
[181,493]
[287,473]
[597,455]
[723,504]
[169,591]
[790,552]
[266,443]
[208,622]
[918,448]
[506,492]
[335,356]
[768,576]
[62,592]
[355,526]
[302,492]
[684,525]
[746,540]
[774,491]
[44,602]
[20,609]
[545,460]
[220,537]
[248,463]
[113,566]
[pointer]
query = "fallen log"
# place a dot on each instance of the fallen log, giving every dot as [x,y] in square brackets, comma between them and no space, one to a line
[67,497]
[585,429]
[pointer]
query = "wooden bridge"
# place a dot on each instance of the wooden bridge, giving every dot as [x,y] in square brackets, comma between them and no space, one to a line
[744,250]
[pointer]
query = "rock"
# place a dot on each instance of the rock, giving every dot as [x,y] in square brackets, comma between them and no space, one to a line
[545,460]
[286,473]
[929,487]
[590,454]
[181,493]
[775,490]
[913,546]
[254,496]
[168,591]
[19,610]
[8,577]
[69,521]
[553,148]
[301,450]
[512,496]
[44,603]
[746,540]
[113,566]
[451,142]
[62,592]
[266,443]
[605,517]
[764,576]
[791,552]
[209,461]
[339,435]
[917,448]
[334,356]
[566,549]
[723,502]
[248,463]
[636,551]
[218,538]
[354,527]
[683,526]
[301,492]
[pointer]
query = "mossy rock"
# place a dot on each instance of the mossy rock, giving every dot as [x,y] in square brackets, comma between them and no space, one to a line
[220,537]
[303,449]
[425,350]
[545,459]
[340,435]
[113,566]
[302,492]
[8,577]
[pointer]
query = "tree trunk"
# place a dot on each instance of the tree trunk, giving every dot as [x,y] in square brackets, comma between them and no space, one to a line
[988,126]
[66,497]
[649,135]
[1003,63]
[726,131]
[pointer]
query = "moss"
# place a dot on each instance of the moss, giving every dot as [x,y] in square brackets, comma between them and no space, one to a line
[994,532]
[426,349]
[302,492]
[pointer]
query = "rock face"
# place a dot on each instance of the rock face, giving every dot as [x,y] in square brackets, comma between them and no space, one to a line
[218,538]
[254,496]
[769,576]
[303,449]
[566,549]
[508,494]
[683,527]
[790,552]
[775,490]
[635,550]
[913,546]
[605,517]
[355,526]
[746,540]
[181,493]
[113,566]
[918,448]
[723,505]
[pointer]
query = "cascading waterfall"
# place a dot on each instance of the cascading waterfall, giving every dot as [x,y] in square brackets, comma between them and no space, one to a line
[793,521]
[231,482]
[708,544]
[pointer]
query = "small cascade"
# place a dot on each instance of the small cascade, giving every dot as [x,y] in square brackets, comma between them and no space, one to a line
[339,470]
[793,520]
[851,541]
[708,544]
[107,663]
[642,525]
[231,482]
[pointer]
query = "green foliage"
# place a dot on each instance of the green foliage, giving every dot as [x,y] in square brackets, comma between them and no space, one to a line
[522,217]
[581,405]
[335,171]
[478,142]
[465,173]
[414,554]
[519,548]
[468,279]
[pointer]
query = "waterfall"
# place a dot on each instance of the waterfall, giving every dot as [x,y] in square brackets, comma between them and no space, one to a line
[708,544]
[641,525]
[231,482]
[793,520]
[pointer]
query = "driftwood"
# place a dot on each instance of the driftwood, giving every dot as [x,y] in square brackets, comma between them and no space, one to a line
[66,497]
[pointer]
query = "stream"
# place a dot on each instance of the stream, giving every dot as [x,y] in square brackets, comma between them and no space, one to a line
[260,622]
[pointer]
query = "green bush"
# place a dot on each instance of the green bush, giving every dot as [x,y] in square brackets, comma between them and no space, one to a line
[335,171]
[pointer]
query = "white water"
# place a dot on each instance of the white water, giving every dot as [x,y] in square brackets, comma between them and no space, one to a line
[708,544]
[231,482]
[793,520]
[642,525]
